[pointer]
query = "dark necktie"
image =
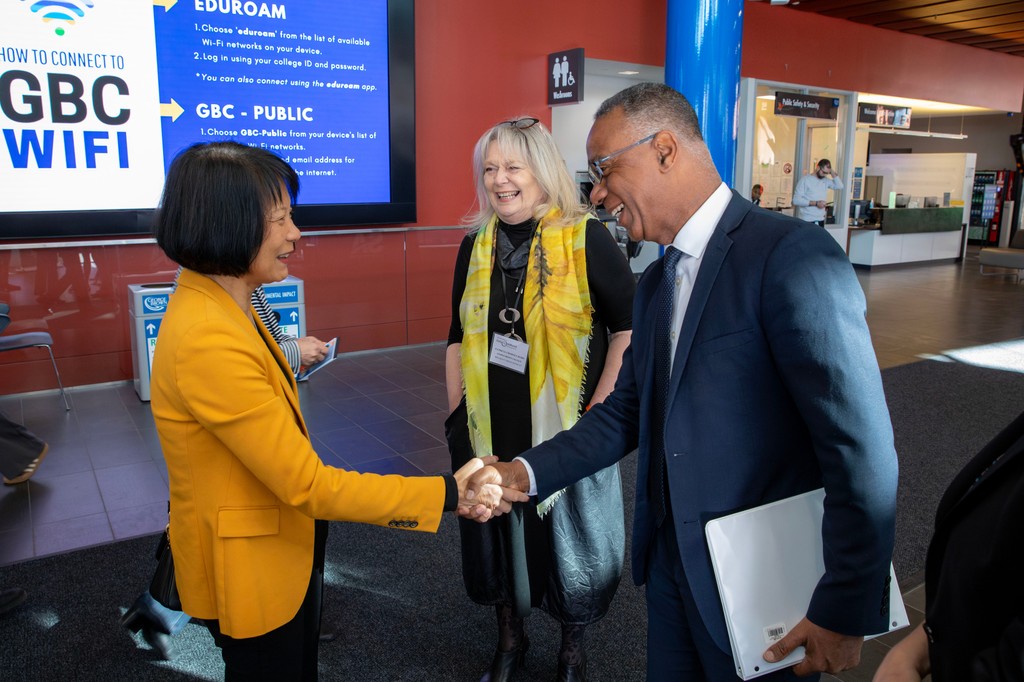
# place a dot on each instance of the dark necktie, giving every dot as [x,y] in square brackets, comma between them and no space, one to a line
[662,370]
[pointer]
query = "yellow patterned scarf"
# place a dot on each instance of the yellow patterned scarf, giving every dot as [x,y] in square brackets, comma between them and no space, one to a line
[558,317]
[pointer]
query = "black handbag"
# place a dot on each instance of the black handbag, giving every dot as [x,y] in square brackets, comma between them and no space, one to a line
[163,588]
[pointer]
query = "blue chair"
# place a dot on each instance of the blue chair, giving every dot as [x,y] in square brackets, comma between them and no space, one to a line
[29,340]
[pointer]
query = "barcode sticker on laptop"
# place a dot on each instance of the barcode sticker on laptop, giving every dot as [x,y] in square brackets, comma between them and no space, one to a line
[774,633]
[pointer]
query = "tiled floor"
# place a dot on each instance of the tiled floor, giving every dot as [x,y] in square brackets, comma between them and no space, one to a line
[382,411]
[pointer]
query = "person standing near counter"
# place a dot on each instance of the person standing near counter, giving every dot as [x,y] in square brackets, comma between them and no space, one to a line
[809,197]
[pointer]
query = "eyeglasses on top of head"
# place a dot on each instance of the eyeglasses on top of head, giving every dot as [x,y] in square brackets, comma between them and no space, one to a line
[521,123]
[595,170]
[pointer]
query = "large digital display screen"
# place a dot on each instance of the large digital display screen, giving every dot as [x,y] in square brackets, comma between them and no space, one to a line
[98,96]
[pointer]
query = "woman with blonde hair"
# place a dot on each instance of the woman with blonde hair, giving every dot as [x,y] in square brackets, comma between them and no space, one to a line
[541,314]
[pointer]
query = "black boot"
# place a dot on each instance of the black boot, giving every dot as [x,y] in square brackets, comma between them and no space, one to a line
[506,663]
[568,672]
[572,659]
[138,618]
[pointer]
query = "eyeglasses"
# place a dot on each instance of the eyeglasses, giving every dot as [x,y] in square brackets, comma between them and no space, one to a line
[521,123]
[595,170]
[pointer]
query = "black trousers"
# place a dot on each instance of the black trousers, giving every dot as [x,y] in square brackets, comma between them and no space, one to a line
[290,652]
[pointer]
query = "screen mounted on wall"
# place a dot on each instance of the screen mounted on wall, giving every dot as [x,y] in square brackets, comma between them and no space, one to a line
[97,97]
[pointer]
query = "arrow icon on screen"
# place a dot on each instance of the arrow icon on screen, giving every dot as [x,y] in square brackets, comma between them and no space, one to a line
[173,110]
[166,4]
[294,316]
[150,327]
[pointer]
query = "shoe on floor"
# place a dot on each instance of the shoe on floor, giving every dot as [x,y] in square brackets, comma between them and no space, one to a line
[11,598]
[29,470]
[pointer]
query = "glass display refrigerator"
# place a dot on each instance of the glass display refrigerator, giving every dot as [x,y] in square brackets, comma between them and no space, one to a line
[991,189]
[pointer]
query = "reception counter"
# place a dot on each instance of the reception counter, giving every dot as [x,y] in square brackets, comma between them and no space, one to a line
[907,235]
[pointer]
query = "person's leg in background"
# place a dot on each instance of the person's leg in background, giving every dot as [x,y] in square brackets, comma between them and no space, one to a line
[11,598]
[20,451]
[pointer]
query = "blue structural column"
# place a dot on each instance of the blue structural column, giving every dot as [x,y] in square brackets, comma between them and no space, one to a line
[702,61]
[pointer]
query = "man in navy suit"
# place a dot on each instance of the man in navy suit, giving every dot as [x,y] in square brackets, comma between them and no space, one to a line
[772,390]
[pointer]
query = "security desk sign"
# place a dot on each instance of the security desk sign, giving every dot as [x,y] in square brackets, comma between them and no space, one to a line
[806,106]
[565,76]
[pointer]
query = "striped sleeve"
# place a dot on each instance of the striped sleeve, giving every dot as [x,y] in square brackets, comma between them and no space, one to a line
[289,344]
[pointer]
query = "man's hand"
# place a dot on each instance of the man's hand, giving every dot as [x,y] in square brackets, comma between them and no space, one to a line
[820,204]
[311,350]
[486,498]
[510,477]
[826,651]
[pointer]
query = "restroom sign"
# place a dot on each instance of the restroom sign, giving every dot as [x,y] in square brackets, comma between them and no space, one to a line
[565,77]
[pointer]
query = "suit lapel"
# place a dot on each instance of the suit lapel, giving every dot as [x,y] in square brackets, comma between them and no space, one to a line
[711,265]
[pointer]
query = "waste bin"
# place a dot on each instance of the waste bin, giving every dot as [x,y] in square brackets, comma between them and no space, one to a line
[146,306]
[148,302]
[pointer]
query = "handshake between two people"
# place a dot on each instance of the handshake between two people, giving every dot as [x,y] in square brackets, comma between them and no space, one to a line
[487,487]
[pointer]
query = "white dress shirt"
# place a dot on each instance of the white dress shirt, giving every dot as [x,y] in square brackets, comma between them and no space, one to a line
[692,239]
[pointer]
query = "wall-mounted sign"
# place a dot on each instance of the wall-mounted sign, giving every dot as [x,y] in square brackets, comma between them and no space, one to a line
[884,115]
[806,106]
[565,76]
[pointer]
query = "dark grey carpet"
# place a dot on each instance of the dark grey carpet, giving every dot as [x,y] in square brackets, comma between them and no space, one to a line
[397,597]
[942,414]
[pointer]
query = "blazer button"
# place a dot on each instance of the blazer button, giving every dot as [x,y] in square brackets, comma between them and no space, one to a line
[413,524]
[393,523]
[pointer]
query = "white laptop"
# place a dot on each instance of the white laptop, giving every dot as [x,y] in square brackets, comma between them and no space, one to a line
[767,562]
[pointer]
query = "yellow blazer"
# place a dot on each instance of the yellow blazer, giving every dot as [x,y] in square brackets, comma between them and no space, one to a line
[245,483]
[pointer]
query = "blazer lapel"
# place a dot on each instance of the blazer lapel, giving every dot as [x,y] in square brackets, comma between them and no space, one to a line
[711,265]
[287,378]
[975,478]
[238,316]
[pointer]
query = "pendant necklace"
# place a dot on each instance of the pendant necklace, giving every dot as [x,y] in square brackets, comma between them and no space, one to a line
[510,314]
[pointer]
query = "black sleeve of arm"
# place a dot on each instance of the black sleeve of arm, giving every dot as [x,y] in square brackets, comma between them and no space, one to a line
[459,287]
[1004,661]
[610,278]
[451,492]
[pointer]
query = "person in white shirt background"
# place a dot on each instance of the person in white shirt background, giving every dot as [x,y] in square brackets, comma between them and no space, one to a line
[811,190]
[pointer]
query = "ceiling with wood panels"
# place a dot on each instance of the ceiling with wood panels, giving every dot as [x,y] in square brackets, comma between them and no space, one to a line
[994,25]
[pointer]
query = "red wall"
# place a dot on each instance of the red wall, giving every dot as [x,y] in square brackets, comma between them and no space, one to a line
[792,46]
[477,63]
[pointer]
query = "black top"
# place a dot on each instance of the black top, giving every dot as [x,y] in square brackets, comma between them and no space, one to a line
[973,591]
[611,290]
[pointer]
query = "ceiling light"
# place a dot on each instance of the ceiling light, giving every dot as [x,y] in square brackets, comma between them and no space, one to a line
[629,73]
[914,133]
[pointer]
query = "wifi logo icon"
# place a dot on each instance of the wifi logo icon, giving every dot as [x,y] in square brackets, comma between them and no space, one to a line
[64,12]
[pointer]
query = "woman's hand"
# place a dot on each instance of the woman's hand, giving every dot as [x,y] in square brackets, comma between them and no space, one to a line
[311,350]
[907,661]
[489,499]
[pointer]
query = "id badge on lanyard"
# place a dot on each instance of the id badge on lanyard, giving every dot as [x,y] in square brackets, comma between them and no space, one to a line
[510,352]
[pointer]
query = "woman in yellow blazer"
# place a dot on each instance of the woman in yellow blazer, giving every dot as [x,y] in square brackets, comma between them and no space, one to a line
[245,484]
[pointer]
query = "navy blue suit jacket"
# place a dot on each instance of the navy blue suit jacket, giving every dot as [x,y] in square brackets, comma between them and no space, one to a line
[775,390]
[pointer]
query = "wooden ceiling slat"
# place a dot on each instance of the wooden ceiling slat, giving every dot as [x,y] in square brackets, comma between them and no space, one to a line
[991,15]
[989,42]
[960,29]
[986,24]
